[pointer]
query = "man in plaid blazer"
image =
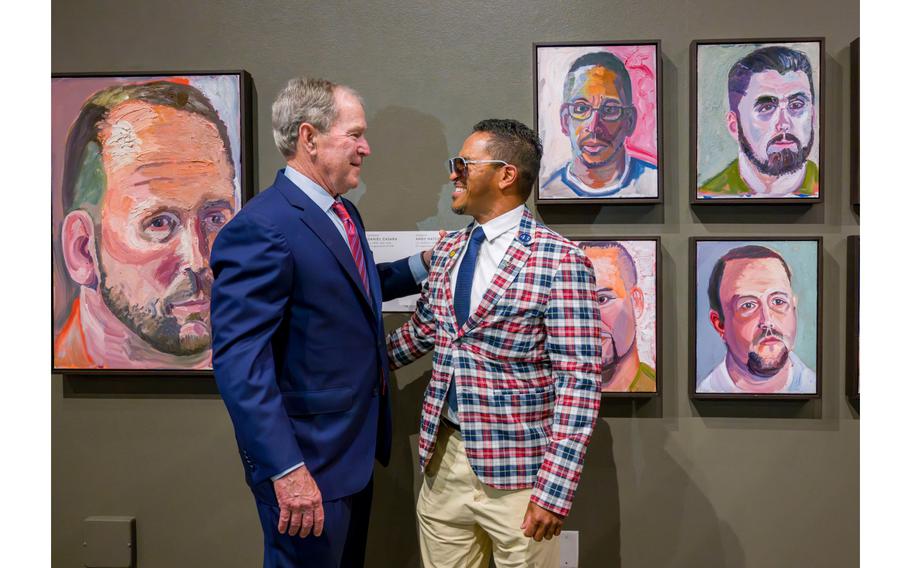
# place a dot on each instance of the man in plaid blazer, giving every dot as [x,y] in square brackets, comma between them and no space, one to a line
[510,308]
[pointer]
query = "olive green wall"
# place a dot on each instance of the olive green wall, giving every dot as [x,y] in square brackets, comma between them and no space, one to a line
[668,482]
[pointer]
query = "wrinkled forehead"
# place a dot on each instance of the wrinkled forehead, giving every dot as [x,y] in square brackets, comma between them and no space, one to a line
[139,131]
[772,84]
[593,81]
[349,110]
[156,152]
[754,277]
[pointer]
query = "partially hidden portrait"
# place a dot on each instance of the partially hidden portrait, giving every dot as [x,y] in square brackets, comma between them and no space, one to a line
[145,172]
[757,131]
[756,317]
[598,116]
[627,274]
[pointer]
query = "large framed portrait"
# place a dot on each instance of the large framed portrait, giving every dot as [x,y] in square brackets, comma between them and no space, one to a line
[146,169]
[852,347]
[755,320]
[597,109]
[757,121]
[627,273]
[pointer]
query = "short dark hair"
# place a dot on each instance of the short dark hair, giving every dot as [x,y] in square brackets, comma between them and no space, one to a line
[606,60]
[513,142]
[626,262]
[84,181]
[743,252]
[770,58]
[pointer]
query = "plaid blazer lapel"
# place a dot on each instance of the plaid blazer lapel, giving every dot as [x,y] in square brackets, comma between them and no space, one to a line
[447,264]
[512,263]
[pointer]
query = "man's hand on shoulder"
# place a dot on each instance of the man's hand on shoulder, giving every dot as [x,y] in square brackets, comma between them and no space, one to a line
[300,504]
[428,254]
[541,524]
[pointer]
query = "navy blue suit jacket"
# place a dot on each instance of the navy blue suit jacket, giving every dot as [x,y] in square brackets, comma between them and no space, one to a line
[298,347]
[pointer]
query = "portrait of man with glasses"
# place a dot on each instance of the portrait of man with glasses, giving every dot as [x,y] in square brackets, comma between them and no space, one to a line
[598,116]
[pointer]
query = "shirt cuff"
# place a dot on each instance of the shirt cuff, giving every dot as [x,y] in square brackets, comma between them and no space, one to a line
[287,471]
[415,263]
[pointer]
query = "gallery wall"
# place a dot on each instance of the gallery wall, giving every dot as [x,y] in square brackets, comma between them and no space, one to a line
[668,481]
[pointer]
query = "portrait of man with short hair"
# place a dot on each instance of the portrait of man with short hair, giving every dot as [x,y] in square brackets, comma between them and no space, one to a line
[626,278]
[146,171]
[756,317]
[758,120]
[598,118]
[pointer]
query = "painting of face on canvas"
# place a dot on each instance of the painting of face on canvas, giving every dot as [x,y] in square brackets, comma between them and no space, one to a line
[145,172]
[756,317]
[598,117]
[627,276]
[758,120]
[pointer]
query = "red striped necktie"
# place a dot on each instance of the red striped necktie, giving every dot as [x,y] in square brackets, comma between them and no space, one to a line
[353,242]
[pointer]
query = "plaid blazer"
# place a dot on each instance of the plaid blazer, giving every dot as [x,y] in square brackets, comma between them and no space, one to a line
[527,363]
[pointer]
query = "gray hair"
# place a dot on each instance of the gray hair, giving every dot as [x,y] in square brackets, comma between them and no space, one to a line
[304,99]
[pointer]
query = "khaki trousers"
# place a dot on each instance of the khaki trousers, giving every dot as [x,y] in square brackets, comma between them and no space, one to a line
[462,521]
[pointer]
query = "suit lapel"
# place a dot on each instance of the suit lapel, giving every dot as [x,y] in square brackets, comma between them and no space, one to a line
[318,222]
[512,263]
[447,265]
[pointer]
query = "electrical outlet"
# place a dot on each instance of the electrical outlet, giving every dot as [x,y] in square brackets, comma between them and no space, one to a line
[568,549]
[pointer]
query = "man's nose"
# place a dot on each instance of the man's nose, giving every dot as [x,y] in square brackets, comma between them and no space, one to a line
[365,148]
[193,249]
[783,120]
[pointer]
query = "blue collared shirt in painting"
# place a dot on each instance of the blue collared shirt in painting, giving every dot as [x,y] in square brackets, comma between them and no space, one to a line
[639,180]
[801,380]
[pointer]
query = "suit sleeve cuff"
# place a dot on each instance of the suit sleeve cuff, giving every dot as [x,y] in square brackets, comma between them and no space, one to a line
[287,471]
[418,270]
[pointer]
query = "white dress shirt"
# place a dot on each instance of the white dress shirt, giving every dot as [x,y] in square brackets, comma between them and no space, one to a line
[500,232]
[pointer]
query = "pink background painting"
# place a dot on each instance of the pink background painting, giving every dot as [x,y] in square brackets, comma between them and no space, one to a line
[552,65]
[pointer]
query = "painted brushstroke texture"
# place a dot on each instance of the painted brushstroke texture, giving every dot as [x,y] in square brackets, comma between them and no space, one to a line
[158,166]
[552,65]
[802,258]
[716,148]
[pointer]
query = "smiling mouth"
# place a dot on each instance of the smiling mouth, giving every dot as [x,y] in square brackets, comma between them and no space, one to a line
[459,190]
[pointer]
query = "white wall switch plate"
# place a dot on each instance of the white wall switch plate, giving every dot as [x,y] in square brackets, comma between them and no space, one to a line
[568,549]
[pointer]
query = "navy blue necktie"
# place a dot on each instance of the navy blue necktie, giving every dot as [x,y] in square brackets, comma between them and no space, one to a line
[462,299]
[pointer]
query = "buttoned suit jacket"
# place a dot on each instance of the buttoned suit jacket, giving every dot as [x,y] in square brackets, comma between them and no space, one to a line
[299,347]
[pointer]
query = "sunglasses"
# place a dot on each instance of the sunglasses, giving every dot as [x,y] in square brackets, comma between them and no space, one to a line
[459,165]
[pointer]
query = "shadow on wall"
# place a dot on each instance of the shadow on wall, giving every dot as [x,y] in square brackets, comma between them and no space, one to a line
[620,528]
[405,170]
[393,521]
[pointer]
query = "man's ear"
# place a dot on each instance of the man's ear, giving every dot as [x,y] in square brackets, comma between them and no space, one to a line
[733,125]
[717,323]
[564,120]
[631,120]
[638,301]
[77,238]
[508,177]
[306,138]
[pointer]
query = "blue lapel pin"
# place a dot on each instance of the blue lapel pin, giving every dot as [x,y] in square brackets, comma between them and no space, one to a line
[524,238]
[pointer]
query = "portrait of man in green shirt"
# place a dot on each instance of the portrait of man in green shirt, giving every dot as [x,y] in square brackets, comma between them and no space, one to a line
[771,116]
[622,305]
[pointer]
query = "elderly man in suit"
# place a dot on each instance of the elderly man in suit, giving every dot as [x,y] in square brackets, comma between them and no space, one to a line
[299,350]
[510,308]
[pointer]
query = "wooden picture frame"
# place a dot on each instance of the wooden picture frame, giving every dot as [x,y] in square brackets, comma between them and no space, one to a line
[642,180]
[643,348]
[702,383]
[721,184]
[219,106]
